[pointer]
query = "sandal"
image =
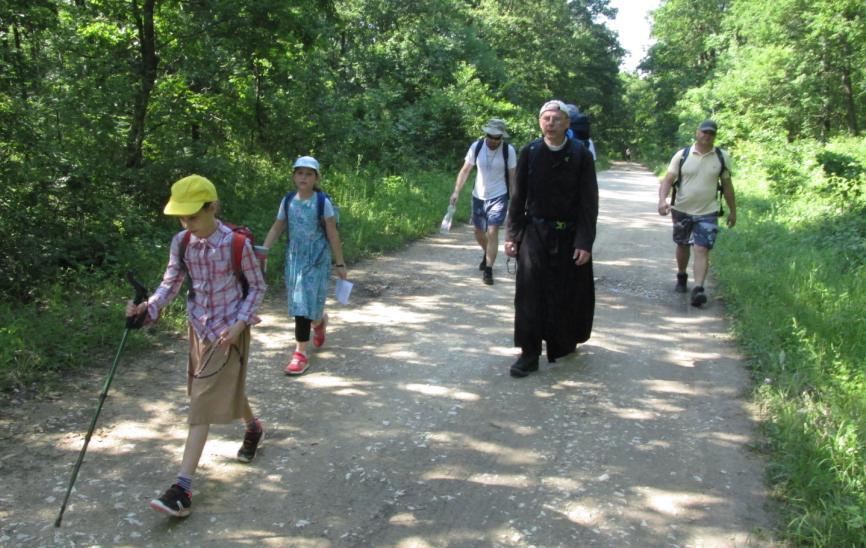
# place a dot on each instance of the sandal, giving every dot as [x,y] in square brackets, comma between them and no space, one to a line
[298,365]
[319,332]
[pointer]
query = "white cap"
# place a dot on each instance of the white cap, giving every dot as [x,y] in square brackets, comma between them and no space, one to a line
[306,161]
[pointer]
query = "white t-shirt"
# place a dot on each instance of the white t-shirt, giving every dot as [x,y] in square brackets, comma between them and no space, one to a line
[490,170]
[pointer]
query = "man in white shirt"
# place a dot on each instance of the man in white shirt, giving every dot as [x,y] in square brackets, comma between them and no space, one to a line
[496,161]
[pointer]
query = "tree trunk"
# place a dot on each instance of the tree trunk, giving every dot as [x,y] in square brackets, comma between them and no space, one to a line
[848,88]
[143,17]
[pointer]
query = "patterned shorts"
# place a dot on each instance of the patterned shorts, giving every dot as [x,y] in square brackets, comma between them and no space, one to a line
[489,212]
[695,229]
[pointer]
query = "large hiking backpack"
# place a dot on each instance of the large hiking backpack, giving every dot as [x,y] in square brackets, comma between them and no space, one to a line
[679,180]
[505,147]
[240,235]
[320,208]
[579,126]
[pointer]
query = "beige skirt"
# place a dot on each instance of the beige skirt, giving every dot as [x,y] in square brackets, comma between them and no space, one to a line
[216,380]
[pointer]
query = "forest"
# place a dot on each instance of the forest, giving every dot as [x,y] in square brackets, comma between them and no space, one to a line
[104,103]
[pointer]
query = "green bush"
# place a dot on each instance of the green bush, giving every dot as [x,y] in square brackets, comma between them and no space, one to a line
[793,278]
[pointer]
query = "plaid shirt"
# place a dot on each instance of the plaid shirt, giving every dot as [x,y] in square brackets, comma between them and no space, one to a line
[218,301]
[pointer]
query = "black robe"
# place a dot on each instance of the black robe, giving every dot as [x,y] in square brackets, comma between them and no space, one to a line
[553,211]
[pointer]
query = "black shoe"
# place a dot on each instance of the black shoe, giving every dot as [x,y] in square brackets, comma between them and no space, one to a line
[247,452]
[698,296]
[175,502]
[483,264]
[682,280]
[487,277]
[524,366]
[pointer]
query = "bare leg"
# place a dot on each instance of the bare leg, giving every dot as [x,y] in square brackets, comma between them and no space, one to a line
[492,244]
[701,264]
[195,440]
[247,413]
[481,238]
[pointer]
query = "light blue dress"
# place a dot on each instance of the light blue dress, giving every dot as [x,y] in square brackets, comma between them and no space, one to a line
[308,257]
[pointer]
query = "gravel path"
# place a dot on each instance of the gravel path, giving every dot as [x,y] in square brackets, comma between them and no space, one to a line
[408,430]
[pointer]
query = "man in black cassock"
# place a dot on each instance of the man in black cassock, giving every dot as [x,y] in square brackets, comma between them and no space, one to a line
[551,229]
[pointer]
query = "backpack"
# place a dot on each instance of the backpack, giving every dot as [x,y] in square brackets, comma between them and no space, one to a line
[579,126]
[678,182]
[320,208]
[505,147]
[240,235]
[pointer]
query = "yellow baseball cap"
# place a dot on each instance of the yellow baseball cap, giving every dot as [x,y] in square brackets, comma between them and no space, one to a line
[189,194]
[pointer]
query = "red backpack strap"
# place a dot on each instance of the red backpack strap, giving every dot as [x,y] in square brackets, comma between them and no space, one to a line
[238,241]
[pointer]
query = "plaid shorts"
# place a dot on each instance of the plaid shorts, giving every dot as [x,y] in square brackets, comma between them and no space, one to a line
[695,229]
[489,212]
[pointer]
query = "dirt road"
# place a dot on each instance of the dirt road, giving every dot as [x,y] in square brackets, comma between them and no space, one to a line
[408,430]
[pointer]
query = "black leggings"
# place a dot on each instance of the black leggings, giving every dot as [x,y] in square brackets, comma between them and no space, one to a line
[302,328]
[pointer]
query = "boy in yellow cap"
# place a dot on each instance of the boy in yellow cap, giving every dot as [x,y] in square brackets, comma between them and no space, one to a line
[220,316]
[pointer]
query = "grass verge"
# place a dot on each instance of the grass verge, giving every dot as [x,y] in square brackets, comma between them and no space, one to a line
[795,286]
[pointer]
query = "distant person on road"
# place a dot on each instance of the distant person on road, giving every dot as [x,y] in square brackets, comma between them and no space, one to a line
[628,154]
[495,161]
[551,230]
[308,218]
[697,174]
[220,313]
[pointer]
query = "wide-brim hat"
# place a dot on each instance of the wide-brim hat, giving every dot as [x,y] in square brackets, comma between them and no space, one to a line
[495,127]
[189,195]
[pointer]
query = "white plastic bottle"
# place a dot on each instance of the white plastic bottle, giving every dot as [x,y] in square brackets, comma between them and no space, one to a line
[445,227]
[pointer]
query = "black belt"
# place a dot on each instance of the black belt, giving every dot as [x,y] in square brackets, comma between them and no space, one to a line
[556,225]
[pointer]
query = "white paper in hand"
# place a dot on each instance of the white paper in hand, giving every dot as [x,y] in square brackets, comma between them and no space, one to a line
[342,290]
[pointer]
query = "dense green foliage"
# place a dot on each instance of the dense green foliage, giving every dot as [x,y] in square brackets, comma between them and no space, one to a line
[794,278]
[785,80]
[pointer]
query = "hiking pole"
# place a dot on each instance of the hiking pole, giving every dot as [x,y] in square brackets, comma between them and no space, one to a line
[132,322]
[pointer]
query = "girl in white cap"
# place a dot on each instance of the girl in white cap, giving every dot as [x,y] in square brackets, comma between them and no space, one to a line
[308,217]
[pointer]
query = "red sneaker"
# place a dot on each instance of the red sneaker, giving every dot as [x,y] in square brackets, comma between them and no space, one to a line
[319,332]
[298,365]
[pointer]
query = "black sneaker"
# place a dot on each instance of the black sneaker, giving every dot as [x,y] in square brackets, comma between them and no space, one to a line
[698,296]
[174,502]
[247,452]
[524,366]
[483,264]
[487,277]
[682,281]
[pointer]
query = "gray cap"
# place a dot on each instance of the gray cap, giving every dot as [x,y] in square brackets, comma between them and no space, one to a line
[554,104]
[495,126]
[306,161]
[708,126]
